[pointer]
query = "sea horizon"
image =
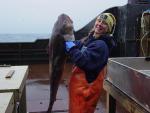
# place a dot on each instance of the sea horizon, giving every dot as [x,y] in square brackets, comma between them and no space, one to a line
[22,37]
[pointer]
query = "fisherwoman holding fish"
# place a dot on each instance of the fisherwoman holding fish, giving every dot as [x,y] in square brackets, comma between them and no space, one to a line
[90,58]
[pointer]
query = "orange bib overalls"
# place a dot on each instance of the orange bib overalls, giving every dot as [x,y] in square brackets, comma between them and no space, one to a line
[84,96]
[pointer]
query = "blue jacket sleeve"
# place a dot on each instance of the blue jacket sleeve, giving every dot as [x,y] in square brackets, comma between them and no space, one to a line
[78,44]
[94,56]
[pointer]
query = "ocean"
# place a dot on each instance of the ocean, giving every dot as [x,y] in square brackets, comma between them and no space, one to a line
[10,38]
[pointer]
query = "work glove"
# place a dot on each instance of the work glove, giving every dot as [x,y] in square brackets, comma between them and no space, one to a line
[69,45]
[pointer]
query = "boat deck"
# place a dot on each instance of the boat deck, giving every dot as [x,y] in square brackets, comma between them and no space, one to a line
[38,92]
[38,98]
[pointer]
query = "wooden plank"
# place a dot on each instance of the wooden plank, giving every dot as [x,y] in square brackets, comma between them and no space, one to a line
[10,74]
[127,102]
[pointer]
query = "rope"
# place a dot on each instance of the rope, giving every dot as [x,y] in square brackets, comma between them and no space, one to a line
[142,43]
[145,31]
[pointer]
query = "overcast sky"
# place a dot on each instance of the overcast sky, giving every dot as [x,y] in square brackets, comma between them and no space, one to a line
[38,16]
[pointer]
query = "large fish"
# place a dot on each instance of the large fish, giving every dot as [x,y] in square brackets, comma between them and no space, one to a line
[62,31]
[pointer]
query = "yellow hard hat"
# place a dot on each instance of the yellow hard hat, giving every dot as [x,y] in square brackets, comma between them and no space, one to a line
[109,19]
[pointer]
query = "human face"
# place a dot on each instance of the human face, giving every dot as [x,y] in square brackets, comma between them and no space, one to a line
[100,27]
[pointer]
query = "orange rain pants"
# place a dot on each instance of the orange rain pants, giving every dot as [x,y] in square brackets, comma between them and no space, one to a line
[84,96]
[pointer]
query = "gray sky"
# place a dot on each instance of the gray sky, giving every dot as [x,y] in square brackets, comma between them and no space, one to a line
[38,16]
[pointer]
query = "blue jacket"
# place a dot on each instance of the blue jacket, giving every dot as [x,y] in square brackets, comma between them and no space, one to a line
[92,55]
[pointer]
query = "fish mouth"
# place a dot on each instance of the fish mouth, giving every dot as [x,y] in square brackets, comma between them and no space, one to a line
[69,37]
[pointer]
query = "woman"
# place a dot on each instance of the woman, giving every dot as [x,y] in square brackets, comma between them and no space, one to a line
[90,59]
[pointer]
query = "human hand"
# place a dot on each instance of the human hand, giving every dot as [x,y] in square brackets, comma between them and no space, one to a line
[69,45]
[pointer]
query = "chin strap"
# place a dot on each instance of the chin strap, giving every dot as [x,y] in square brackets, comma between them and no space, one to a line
[113,30]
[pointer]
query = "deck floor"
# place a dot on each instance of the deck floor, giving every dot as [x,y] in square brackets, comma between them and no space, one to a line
[38,98]
[38,91]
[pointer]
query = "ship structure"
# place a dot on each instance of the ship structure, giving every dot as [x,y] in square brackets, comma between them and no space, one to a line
[24,68]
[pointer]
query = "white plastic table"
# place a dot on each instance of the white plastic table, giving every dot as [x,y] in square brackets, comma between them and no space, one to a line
[6,102]
[15,84]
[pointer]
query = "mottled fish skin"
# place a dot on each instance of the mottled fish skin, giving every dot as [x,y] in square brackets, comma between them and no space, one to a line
[57,56]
